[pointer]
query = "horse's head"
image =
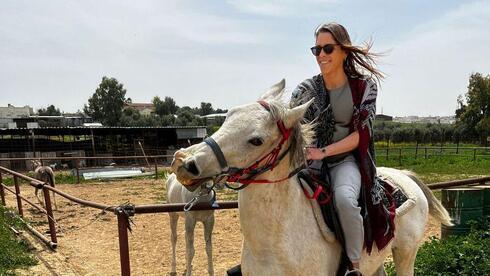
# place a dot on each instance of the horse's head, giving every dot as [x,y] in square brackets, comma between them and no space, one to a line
[35,163]
[249,133]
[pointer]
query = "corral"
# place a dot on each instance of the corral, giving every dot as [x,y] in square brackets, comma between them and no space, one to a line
[88,238]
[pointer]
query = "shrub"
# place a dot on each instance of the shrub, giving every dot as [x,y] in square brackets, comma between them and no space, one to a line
[456,255]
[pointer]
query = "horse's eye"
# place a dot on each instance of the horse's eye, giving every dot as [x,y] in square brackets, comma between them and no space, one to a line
[256,141]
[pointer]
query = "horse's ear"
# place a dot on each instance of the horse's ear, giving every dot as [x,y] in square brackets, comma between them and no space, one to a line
[274,91]
[296,114]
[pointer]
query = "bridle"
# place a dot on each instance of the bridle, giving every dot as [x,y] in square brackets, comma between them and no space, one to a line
[246,176]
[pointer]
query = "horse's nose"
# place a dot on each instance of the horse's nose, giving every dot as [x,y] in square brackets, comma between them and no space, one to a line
[191,167]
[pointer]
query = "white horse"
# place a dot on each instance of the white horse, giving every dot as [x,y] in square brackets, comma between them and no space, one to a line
[176,193]
[44,174]
[281,232]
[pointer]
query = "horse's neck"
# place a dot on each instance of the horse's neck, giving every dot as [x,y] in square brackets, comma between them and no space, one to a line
[268,207]
[278,225]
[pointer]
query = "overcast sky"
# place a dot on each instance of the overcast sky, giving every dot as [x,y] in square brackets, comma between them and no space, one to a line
[229,52]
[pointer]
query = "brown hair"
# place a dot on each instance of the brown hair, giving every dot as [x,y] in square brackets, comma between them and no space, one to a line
[359,58]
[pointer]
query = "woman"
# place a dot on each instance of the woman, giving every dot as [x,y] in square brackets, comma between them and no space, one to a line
[344,110]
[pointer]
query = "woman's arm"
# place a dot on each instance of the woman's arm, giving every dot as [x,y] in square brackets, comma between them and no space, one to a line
[347,144]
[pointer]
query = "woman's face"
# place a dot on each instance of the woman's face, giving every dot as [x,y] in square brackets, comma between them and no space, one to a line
[330,63]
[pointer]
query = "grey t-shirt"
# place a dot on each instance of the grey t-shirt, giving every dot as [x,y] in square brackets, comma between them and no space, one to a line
[342,107]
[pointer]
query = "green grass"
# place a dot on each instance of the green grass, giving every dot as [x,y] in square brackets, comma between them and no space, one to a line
[14,253]
[438,168]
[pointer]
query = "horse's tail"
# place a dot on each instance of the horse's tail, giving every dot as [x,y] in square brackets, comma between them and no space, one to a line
[51,177]
[435,207]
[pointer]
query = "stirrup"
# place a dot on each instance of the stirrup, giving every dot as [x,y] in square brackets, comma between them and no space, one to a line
[354,272]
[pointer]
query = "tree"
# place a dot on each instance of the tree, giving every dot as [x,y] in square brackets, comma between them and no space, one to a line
[187,118]
[219,110]
[474,116]
[159,107]
[171,105]
[206,108]
[51,110]
[107,103]
[165,107]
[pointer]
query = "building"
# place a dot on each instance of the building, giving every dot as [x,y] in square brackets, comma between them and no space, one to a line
[429,119]
[145,109]
[95,141]
[382,117]
[214,119]
[65,120]
[10,112]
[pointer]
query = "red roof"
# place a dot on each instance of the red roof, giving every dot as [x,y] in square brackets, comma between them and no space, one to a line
[140,106]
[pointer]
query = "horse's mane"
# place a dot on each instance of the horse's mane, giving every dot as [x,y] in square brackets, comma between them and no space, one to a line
[302,133]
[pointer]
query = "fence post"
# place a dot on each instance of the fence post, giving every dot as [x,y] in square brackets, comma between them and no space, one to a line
[49,211]
[77,165]
[425,150]
[156,167]
[387,152]
[17,195]
[416,150]
[400,156]
[122,223]
[2,191]
[474,154]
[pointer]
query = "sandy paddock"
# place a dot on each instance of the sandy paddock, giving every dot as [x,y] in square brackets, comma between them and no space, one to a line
[88,242]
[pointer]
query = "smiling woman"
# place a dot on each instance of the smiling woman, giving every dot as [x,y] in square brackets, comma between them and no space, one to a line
[344,109]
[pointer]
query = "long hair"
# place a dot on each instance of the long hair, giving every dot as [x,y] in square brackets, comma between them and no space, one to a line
[360,62]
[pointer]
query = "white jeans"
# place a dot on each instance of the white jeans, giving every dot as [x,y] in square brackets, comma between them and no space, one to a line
[346,181]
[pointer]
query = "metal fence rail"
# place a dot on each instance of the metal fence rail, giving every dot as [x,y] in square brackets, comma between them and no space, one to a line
[125,211]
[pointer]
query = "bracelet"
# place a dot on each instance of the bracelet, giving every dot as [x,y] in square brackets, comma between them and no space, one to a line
[324,151]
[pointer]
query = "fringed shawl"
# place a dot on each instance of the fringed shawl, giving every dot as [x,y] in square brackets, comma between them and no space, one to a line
[379,224]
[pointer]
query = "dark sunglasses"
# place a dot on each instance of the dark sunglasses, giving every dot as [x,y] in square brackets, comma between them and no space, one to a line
[327,48]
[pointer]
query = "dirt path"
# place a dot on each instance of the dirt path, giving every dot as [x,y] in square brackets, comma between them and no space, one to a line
[88,242]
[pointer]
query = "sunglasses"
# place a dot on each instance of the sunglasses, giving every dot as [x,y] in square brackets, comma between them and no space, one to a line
[327,48]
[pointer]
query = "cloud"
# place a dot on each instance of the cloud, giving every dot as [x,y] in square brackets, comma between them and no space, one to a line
[430,65]
[279,8]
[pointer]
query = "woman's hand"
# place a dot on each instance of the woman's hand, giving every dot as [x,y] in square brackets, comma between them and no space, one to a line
[313,153]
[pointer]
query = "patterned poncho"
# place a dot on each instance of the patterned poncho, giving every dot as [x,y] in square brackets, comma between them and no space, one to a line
[379,224]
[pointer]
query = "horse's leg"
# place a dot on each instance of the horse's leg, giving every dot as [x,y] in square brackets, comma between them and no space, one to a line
[38,199]
[190,224]
[208,232]
[404,258]
[174,218]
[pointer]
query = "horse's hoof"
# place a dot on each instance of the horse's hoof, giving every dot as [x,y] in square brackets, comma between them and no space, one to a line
[172,274]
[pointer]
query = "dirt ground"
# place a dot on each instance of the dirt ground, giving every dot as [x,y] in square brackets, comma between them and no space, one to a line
[88,241]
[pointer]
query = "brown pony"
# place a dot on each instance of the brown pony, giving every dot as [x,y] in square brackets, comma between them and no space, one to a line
[44,174]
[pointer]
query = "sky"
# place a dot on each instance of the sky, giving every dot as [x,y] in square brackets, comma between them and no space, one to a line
[229,52]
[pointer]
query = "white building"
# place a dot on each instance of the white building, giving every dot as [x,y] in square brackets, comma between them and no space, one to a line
[10,112]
